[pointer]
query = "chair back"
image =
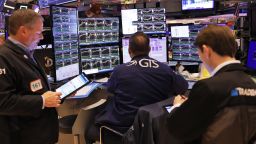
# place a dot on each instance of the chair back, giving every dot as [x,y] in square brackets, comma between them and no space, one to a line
[232,125]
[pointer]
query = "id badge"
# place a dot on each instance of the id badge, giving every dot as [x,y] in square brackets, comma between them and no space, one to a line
[36,85]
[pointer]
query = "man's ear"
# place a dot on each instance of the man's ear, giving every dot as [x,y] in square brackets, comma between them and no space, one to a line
[207,51]
[22,30]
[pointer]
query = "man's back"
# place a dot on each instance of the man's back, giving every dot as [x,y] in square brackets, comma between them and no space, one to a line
[140,82]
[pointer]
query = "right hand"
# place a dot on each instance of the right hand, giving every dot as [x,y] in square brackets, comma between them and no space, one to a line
[179,99]
[52,99]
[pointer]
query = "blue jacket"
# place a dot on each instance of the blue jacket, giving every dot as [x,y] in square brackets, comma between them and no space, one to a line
[140,82]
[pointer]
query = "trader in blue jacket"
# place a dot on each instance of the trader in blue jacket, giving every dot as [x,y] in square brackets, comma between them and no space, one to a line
[140,82]
[27,106]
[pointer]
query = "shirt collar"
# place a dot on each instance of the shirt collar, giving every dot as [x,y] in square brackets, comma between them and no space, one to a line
[19,44]
[222,65]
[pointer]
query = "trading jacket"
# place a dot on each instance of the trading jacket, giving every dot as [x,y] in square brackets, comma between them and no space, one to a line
[189,122]
[22,82]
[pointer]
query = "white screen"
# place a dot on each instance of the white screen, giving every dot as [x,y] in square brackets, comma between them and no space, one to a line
[197,4]
[72,85]
[128,16]
[67,71]
[180,31]
[158,49]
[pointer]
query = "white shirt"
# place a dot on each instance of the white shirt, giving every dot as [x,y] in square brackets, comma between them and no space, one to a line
[222,65]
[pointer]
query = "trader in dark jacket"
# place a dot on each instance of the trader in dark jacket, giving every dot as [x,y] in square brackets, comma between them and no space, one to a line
[142,81]
[191,117]
[27,107]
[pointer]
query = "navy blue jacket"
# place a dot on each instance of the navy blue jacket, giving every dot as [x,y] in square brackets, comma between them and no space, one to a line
[140,82]
[22,119]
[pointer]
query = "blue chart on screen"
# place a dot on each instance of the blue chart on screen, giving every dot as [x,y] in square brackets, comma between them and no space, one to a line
[47,3]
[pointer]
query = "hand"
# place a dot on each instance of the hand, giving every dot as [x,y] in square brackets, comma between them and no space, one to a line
[52,99]
[179,99]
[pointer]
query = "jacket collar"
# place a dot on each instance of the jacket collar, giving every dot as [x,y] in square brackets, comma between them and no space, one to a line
[16,48]
[140,56]
[231,67]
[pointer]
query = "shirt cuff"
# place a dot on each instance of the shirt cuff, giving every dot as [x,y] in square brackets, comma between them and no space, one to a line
[173,107]
[43,102]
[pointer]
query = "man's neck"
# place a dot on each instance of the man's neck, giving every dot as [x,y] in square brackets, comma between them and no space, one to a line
[17,38]
[221,60]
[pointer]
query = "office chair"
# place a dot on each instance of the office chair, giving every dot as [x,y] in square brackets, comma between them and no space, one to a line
[143,129]
[76,124]
[232,125]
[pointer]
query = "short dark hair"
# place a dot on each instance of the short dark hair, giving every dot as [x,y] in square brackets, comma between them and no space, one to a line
[219,38]
[22,17]
[139,43]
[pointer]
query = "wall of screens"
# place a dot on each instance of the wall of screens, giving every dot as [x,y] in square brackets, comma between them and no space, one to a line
[182,40]
[148,20]
[99,44]
[65,42]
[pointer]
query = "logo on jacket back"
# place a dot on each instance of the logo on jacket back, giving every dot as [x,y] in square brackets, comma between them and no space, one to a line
[243,92]
[149,63]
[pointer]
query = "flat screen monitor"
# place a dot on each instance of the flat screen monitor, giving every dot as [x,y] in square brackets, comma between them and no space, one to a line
[251,57]
[182,43]
[65,42]
[47,3]
[197,4]
[148,20]
[99,59]
[98,31]
[158,49]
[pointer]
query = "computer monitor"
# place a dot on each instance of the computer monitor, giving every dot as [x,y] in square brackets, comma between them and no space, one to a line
[147,20]
[158,49]
[98,31]
[47,3]
[99,44]
[99,59]
[251,57]
[65,42]
[182,42]
[197,5]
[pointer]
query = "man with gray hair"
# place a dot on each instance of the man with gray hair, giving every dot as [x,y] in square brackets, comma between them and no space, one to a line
[27,106]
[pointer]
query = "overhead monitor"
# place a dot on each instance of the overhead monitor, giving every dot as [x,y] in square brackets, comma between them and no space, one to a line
[197,4]
[65,42]
[47,3]
[148,20]
[251,57]
[158,49]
